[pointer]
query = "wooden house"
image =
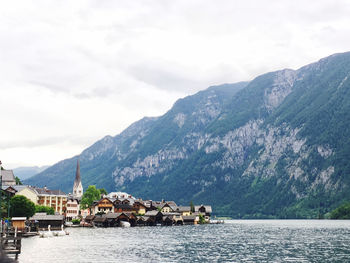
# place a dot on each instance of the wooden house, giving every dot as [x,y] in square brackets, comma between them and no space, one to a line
[41,221]
[204,210]
[100,221]
[19,222]
[190,220]
[184,210]
[139,208]
[155,217]
[119,207]
[104,205]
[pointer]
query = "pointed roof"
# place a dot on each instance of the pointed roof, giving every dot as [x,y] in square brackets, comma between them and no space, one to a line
[77,180]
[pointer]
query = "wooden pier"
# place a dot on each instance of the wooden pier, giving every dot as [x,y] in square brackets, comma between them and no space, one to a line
[10,243]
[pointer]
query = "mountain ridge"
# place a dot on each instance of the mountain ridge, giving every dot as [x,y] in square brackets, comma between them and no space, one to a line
[275,146]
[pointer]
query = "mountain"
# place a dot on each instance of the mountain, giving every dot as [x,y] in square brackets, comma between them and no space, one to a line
[277,146]
[28,171]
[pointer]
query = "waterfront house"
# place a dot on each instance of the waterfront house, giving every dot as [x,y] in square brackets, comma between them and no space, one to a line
[169,207]
[190,220]
[73,208]
[41,221]
[104,205]
[184,210]
[19,222]
[100,221]
[155,217]
[204,210]
[89,219]
[120,208]
[139,207]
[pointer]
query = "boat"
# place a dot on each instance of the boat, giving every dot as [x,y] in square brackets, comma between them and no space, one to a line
[125,224]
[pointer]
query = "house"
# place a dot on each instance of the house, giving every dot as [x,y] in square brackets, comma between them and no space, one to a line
[8,178]
[120,195]
[184,210]
[169,207]
[41,221]
[204,210]
[120,208]
[28,192]
[19,223]
[155,217]
[100,221]
[43,196]
[139,207]
[190,220]
[73,208]
[104,205]
[52,198]
[9,190]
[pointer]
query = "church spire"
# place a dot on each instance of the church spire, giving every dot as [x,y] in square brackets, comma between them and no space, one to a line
[77,187]
[77,175]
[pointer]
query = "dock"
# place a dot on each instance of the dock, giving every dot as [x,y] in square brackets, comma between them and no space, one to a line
[10,243]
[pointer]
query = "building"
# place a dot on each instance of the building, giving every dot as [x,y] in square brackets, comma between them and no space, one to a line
[73,201]
[8,178]
[73,208]
[44,196]
[41,221]
[77,187]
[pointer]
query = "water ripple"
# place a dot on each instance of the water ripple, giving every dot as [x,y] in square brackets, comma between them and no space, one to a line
[235,241]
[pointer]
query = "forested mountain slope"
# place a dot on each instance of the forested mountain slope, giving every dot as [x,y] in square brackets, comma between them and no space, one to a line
[277,146]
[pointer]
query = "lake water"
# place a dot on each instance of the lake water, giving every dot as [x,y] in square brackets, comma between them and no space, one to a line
[234,241]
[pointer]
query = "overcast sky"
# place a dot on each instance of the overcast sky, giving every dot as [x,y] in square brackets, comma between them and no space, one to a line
[72,72]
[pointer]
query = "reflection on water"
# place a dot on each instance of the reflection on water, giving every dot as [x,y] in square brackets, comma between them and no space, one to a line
[234,241]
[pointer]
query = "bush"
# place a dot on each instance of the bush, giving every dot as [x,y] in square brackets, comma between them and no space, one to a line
[76,221]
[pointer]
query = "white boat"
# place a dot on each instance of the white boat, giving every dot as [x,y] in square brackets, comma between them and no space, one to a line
[124,224]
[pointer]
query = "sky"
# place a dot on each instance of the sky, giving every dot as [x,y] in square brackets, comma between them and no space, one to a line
[72,72]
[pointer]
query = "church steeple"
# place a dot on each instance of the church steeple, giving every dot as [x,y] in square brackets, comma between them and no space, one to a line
[77,187]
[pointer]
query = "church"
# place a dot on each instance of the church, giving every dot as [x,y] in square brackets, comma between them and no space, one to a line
[73,203]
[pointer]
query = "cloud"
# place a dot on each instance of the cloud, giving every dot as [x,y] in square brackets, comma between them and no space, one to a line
[84,69]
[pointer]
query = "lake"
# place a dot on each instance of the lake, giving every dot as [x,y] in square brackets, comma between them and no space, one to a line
[234,241]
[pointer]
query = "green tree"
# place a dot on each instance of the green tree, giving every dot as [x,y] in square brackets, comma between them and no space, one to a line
[18,181]
[201,219]
[341,212]
[192,207]
[21,206]
[103,191]
[41,208]
[91,194]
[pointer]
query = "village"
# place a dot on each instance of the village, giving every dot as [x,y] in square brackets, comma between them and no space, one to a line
[115,209]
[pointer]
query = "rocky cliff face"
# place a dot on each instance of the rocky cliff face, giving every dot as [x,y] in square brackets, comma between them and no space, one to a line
[273,147]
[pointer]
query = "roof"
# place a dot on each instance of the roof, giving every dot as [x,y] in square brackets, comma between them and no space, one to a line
[77,180]
[19,187]
[189,218]
[152,213]
[46,191]
[89,217]
[123,206]
[184,208]
[207,208]
[7,187]
[44,216]
[7,176]
[18,218]
[100,219]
